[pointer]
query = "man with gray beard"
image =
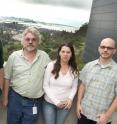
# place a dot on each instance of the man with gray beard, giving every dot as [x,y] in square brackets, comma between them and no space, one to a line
[24,71]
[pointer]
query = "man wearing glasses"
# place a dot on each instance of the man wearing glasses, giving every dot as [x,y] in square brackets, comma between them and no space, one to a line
[97,95]
[24,71]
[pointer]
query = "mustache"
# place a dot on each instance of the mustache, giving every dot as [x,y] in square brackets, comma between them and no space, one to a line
[105,53]
[30,45]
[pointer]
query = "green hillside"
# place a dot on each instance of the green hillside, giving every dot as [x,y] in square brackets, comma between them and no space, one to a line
[51,40]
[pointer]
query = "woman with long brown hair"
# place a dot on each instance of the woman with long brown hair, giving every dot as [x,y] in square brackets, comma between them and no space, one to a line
[60,85]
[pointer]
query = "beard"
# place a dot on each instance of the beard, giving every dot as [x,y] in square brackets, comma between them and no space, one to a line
[106,56]
[30,48]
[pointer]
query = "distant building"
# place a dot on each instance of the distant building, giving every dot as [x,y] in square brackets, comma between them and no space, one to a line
[102,23]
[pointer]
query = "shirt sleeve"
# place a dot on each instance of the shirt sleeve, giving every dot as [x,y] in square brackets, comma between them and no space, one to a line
[46,84]
[8,68]
[47,59]
[74,88]
[83,74]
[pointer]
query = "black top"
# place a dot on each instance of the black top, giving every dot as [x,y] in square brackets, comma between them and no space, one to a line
[1,55]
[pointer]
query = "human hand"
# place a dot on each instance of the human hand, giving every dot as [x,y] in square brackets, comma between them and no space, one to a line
[4,102]
[68,103]
[61,104]
[79,111]
[103,119]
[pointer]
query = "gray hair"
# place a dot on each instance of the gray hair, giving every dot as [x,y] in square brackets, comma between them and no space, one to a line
[34,31]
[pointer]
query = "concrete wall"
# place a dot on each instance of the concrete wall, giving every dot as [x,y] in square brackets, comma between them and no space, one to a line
[71,119]
[102,23]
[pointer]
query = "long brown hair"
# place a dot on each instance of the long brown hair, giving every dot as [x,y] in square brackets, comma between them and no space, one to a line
[72,61]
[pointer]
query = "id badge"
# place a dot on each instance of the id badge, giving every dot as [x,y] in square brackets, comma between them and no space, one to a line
[34,109]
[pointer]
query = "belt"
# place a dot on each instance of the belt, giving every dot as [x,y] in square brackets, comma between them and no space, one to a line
[32,99]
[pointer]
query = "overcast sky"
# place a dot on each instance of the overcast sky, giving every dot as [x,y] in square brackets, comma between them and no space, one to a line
[69,12]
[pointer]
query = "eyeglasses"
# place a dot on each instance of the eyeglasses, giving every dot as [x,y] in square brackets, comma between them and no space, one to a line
[30,39]
[106,47]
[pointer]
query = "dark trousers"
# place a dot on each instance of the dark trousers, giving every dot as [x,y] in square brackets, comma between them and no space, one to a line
[20,109]
[85,120]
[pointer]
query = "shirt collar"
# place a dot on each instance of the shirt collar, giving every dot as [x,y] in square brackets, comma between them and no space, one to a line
[36,57]
[22,54]
[109,65]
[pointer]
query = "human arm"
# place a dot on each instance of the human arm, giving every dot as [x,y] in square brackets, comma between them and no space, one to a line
[83,82]
[1,66]
[73,91]
[1,78]
[47,86]
[8,70]
[81,92]
[104,117]
[1,83]
[5,92]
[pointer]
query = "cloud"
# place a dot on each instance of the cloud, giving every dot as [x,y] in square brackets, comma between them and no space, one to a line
[85,4]
[46,11]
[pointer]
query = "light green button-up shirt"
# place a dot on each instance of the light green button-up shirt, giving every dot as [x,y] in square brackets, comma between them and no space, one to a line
[26,78]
